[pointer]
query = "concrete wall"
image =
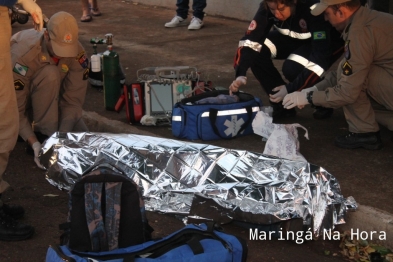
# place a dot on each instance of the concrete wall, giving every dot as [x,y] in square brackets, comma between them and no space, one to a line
[238,9]
[245,9]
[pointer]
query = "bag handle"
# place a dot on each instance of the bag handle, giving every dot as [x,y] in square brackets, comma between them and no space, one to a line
[213,117]
[189,236]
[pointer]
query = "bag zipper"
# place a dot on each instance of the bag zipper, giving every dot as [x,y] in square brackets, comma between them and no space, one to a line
[61,254]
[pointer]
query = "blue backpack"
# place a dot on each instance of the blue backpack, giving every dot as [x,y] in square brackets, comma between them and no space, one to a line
[193,243]
[106,212]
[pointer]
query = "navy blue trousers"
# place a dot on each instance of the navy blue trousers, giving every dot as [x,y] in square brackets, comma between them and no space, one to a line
[197,7]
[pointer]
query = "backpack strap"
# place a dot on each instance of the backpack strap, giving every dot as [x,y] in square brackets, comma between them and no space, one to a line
[104,230]
[94,219]
[112,213]
[65,236]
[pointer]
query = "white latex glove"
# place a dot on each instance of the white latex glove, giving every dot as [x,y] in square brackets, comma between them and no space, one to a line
[298,99]
[306,90]
[279,96]
[234,87]
[37,147]
[35,11]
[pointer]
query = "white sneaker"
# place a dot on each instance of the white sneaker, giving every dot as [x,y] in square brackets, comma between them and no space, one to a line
[176,21]
[195,24]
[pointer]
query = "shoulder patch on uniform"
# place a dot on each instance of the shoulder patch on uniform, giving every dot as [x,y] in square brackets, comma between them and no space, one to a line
[303,24]
[252,25]
[20,69]
[19,85]
[82,53]
[319,35]
[347,52]
[64,68]
[86,74]
[82,59]
[347,68]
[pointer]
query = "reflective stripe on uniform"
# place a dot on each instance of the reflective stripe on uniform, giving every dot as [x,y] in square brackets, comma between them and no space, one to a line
[307,64]
[257,46]
[272,48]
[253,45]
[293,34]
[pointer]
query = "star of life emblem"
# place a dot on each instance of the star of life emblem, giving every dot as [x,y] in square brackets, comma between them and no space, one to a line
[233,125]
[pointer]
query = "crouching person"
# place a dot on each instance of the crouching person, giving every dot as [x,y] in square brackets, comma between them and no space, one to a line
[50,70]
[362,83]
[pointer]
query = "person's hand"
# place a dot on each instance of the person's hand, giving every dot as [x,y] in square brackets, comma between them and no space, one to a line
[298,99]
[37,148]
[35,11]
[306,90]
[234,87]
[279,96]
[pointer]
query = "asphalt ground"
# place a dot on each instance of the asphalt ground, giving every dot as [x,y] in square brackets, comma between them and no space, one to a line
[142,41]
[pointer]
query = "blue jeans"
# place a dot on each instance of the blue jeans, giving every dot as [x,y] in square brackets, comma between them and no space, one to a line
[197,7]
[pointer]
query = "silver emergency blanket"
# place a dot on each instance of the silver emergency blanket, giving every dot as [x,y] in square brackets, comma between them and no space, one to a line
[204,181]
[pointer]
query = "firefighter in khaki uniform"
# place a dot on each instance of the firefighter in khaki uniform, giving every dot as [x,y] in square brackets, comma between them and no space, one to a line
[50,70]
[362,84]
[11,230]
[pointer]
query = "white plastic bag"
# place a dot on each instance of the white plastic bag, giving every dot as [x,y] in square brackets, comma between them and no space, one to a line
[147,120]
[282,139]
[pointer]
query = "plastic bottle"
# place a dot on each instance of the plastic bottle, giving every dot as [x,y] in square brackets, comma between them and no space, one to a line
[95,60]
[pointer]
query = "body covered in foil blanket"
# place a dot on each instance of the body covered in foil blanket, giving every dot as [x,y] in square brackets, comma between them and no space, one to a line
[179,177]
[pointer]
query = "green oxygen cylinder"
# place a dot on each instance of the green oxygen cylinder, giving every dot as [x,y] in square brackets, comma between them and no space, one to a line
[111,75]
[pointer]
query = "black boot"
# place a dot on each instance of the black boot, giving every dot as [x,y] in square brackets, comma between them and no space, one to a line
[279,112]
[370,140]
[10,230]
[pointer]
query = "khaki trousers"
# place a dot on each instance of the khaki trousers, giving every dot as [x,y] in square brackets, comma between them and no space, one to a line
[9,119]
[374,105]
